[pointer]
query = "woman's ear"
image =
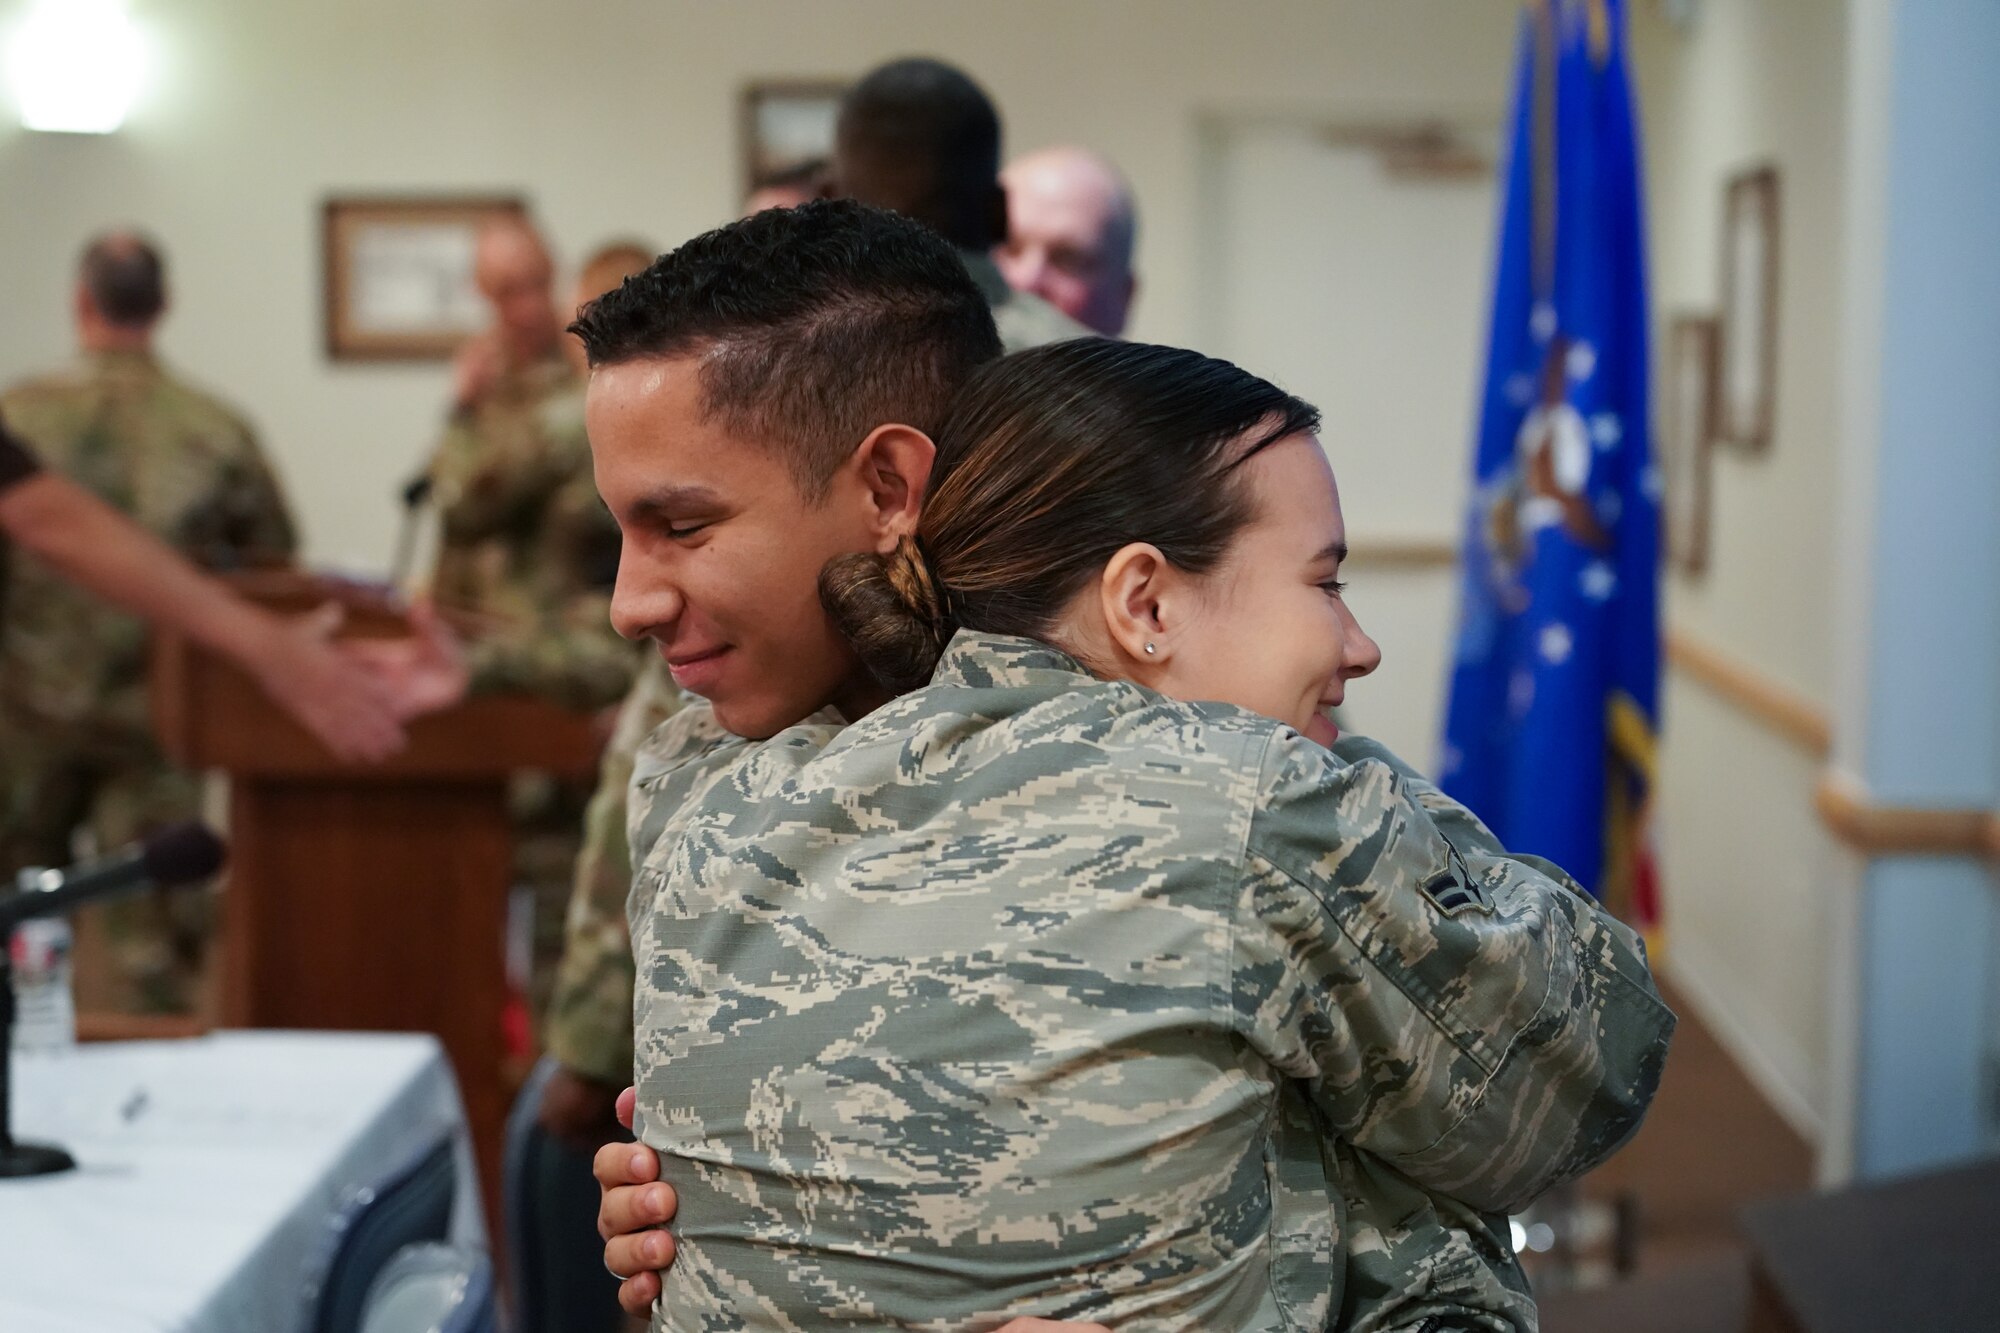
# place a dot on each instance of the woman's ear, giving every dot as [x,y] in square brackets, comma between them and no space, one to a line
[894,467]
[1139,596]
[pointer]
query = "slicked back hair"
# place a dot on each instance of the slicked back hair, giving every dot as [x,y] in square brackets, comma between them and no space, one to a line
[813,326]
[125,277]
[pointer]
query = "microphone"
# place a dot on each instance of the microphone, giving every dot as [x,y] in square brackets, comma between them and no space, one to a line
[179,854]
[415,492]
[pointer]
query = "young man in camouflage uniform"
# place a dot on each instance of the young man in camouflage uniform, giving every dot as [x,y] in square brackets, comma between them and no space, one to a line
[921,138]
[771,661]
[77,753]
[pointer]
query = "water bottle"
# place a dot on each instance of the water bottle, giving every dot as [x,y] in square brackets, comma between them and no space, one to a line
[44,1004]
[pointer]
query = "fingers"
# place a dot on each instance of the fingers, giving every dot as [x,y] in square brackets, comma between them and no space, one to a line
[625,1164]
[636,1294]
[646,1254]
[323,621]
[625,1209]
[628,1102]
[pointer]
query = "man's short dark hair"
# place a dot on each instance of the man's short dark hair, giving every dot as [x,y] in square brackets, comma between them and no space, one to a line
[919,136]
[813,326]
[126,279]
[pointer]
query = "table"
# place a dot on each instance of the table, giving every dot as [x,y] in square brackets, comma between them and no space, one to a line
[207,1172]
[1915,1253]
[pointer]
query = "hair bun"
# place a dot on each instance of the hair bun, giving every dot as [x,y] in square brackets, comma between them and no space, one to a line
[887,609]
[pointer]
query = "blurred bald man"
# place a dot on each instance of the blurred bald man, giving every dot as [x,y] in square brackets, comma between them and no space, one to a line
[1070,232]
[527,551]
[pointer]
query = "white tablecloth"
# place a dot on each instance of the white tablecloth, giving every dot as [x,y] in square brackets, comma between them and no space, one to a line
[208,1170]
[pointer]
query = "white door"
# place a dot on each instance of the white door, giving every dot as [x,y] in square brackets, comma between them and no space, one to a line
[1363,288]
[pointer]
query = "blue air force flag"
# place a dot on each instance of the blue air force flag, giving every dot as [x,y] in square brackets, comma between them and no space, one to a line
[1554,687]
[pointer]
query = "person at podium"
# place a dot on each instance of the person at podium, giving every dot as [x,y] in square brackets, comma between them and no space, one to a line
[527,552]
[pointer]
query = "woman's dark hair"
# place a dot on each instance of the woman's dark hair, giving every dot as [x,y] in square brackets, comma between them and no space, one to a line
[1049,462]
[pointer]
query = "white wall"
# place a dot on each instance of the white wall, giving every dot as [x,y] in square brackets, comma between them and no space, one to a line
[1751,877]
[617,116]
[1366,293]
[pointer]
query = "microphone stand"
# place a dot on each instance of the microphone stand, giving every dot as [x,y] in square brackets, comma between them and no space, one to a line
[175,857]
[18,1159]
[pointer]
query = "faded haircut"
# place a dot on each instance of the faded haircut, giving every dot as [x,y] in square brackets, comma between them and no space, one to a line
[812,325]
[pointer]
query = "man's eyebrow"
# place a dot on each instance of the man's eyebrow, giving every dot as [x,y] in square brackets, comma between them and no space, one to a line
[676,500]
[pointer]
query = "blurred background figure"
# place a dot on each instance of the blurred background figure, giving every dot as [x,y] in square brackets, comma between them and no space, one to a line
[609,265]
[788,188]
[295,662]
[922,138]
[527,552]
[79,766]
[1071,228]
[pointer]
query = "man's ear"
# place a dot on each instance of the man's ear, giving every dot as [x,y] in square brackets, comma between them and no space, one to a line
[894,467]
[1140,595]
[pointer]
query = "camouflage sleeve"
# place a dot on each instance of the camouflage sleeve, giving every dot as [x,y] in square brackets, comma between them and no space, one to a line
[488,474]
[674,766]
[268,532]
[1417,1261]
[1459,826]
[1456,1012]
[590,1011]
[568,654]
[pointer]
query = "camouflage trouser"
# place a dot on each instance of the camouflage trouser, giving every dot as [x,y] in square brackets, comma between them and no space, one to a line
[56,807]
[548,834]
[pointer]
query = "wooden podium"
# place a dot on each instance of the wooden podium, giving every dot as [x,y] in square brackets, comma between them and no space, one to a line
[368,897]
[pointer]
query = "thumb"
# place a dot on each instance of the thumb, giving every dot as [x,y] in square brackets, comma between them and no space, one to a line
[323,621]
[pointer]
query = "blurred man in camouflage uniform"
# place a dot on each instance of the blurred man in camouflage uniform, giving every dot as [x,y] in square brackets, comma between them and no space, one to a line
[77,754]
[527,551]
[916,136]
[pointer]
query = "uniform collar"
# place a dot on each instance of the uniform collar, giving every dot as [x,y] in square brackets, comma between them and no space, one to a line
[986,277]
[1002,661]
[121,360]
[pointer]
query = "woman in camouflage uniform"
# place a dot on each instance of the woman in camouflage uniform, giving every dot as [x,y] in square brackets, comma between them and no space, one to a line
[1041,990]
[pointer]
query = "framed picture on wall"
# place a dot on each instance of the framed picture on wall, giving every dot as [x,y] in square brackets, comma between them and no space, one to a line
[1687,432]
[1749,350]
[787,123]
[398,274]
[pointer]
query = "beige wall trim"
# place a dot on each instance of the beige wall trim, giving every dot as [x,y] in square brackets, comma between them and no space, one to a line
[1776,706]
[1401,552]
[1885,830]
